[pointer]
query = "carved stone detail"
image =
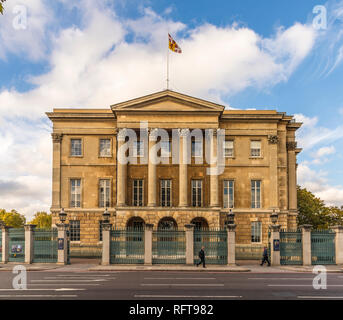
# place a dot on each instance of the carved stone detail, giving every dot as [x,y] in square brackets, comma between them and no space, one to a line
[56,137]
[273,139]
[291,145]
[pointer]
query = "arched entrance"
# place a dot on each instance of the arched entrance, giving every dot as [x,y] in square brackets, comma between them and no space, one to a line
[200,223]
[167,223]
[136,223]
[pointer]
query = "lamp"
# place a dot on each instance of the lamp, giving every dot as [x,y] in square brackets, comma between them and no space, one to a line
[106,216]
[230,217]
[62,215]
[274,217]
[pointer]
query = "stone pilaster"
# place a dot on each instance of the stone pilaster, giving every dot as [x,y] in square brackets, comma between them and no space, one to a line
[148,244]
[273,171]
[121,170]
[306,242]
[62,253]
[29,230]
[5,244]
[56,169]
[274,236]
[338,243]
[231,244]
[189,244]
[183,179]
[292,176]
[152,198]
[106,244]
[214,196]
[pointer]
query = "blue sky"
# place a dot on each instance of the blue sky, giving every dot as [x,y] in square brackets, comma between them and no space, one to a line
[244,54]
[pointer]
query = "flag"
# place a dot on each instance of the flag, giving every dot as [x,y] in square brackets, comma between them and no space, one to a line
[173,46]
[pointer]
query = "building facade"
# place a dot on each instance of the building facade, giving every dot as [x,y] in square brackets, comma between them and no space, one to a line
[259,173]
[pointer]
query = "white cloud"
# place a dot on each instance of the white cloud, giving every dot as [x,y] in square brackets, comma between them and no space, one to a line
[94,66]
[325,151]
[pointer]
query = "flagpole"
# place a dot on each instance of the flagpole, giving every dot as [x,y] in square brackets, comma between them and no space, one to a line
[168,63]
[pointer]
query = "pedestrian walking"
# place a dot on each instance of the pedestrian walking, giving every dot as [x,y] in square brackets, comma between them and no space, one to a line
[265,257]
[202,257]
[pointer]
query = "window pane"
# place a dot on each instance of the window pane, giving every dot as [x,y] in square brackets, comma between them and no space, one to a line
[76,149]
[74,230]
[105,147]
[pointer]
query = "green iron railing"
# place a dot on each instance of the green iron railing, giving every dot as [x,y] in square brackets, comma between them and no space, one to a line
[0,245]
[168,246]
[215,243]
[127,246]
[323,247]
[291,247]
[45,245]
[16,245]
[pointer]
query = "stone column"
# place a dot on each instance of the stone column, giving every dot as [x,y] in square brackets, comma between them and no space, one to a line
[306,242]
[231,244]
[338,243]
[62,253]
[5,244]
[292,176]
[56,170]
[273,171]
[214,200]
[29,229]
[183,179]
[121,171]
[152,200]
[148,244]
[106,244]
[189,244]
[275,235]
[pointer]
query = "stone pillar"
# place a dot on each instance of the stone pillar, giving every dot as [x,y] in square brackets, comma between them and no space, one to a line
[292,176]
[148,244]
[306,242]
[152,199]
[106,244]
[338,244]
[275,235]
[62,254]
[273,171]
[189,244]
[121,171]
[5,244]
[56,170]
[231,244]
[214,196]
[29,229]
[183,179]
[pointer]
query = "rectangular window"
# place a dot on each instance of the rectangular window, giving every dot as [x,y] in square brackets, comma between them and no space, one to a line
[228,193]
[166,193]
[256,194]
[256,231]
[196,148]
[255,148]
[196,193]
[228,148]
[74,226]
[75,147]
[104,193]
[75,193]
[165,149]
[100,230]
[138,149]
[105,147]
[138,193]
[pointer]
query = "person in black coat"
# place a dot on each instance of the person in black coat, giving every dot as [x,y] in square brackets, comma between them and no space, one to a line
[265,257]
[202,257]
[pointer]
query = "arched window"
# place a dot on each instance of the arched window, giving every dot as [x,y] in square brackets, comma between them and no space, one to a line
[135,223]
[167,223]
[200,223]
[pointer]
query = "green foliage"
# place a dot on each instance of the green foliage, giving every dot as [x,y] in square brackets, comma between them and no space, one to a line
[312,210]
[1,6]
[12,219]
[42,220]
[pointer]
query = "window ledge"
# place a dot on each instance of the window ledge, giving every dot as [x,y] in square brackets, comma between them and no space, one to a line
[251,157]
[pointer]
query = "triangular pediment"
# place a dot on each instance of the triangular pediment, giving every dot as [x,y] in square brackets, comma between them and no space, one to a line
[167,101]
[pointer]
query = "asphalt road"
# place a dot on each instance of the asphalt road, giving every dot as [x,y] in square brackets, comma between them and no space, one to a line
[170,285]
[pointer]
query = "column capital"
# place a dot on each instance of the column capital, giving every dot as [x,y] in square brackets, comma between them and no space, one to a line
[306,227]
[30,227]
[273,139]
[189,226]
[106,226]
[231,227]
[56,137]
[121,134]
[275,227]
[149,226]
[291,145]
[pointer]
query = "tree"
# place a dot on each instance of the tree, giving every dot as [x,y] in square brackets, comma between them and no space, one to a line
[42,220]
[312,210]
[1,6]
[12,219]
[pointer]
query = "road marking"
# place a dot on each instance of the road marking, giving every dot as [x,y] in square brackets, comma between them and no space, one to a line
[64,280]
[38,296]
[280,278]
[44,289]
[301,285]
[82,276]
[318,297]
[62,284]
[78,278]
[180,278]
[179,296]
[183,284]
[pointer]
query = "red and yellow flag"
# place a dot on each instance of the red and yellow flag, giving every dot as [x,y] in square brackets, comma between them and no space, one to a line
[173,46]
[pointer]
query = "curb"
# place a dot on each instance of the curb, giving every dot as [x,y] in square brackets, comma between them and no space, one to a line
[106,269]
[309,270]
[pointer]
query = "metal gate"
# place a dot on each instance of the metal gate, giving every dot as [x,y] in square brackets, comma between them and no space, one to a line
[16,245]
[323,247]
[45,245]
[168,247]
[127,246]
[0,245]
[291,247]
[215,243]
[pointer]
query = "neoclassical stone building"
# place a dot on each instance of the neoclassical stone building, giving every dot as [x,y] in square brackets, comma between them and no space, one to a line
[259,175]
